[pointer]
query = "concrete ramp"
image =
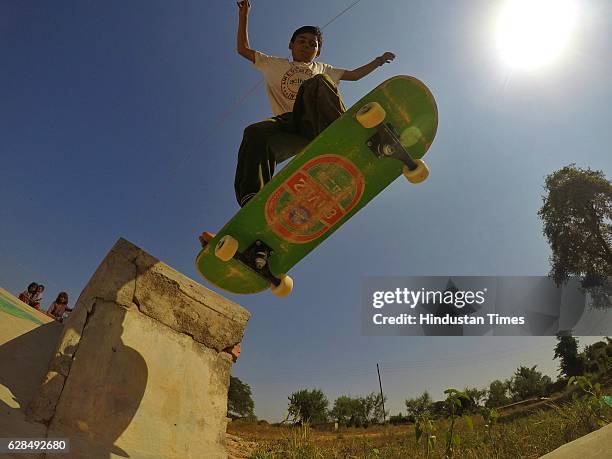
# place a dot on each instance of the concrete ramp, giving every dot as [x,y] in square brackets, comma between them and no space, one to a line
[596,445]
[139,370]
[28,339]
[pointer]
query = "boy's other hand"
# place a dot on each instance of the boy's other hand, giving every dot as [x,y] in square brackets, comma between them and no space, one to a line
[243,7]
[386,58]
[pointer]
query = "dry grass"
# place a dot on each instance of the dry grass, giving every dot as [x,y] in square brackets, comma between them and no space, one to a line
[528,432]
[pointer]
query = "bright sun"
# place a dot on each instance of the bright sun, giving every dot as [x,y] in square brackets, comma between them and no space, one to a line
[533,33]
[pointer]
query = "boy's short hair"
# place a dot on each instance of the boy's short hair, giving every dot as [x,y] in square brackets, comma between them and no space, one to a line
[309,29]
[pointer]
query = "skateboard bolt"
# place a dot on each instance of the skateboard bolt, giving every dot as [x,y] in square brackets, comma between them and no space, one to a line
[260,260]
[388,150]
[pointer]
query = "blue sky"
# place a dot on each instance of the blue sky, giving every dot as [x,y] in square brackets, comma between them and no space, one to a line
[124,119]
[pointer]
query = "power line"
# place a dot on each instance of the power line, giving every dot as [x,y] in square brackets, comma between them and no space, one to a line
[341,13]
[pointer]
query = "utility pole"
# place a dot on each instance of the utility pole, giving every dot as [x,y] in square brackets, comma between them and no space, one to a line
[382,398]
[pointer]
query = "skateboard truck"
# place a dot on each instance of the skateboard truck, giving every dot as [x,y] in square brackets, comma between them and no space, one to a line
[385,143]
[256,257]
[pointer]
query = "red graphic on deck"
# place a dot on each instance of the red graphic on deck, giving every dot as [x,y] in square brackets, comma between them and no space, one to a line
[314,198]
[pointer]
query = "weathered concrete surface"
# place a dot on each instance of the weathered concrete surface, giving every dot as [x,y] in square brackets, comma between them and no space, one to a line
[140,369]
[596,445]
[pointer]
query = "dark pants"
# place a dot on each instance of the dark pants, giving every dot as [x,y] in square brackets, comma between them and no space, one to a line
[317,105]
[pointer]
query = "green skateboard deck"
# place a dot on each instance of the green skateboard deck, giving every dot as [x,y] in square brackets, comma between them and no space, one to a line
[381,137]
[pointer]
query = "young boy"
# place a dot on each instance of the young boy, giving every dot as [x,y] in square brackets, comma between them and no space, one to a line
[303,95]
[28,296]
[38,297]
[59,307]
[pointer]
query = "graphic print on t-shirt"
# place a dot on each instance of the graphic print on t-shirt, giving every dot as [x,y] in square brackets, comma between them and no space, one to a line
[293,79]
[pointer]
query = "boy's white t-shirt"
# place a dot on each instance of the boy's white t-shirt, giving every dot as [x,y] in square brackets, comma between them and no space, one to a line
[284,77]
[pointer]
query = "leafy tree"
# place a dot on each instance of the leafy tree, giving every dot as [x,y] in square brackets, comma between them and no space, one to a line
[528,382]
[498,394]
[577,215]
[359,411]
[239,401]
[418,406]
[345,410]
[372,408]
[308,406]
[438,408]
[399,418]
[598,356]
[475,397]
[566,351]
[601,295]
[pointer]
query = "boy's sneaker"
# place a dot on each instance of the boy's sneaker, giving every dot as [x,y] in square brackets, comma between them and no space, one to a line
[205,238]
[234,351]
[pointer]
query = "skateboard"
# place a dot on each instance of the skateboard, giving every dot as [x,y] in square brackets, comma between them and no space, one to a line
[384,135]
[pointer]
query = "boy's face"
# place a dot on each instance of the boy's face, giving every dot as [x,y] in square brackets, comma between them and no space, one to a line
[305,47]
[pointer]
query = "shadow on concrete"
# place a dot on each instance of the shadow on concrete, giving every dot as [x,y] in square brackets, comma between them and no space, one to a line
[98,404]
[23,364]
[100,399]
[103,403]
[24,360]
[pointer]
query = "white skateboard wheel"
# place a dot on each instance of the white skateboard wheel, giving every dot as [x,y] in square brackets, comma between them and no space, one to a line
[226,248]
[284,288]
[370,115]
[417,175]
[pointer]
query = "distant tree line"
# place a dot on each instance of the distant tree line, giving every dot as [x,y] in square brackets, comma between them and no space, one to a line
[526,383]
[312,405]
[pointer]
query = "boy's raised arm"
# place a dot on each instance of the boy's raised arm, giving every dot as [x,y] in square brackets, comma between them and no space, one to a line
[242,45]
[359,73]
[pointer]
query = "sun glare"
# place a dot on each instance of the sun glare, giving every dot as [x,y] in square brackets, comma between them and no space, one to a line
[534,33]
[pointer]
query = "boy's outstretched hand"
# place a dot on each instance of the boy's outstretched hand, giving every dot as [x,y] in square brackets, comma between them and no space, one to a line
[359,73]
[385,58]
[242,38]
[243,7]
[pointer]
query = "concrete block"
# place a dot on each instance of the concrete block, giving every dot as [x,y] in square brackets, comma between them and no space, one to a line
[140,369]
